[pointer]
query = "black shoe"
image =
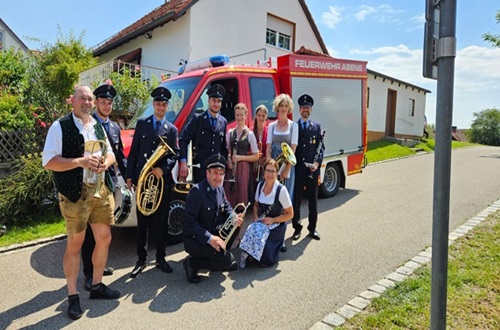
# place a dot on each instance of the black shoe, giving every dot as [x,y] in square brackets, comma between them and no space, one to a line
[87,284]
[108,271]
[101,291]
[314,235]
[234,266]
[191,273]
[139,267]
[74,309]
[164,266]
[296,234]
[283,248]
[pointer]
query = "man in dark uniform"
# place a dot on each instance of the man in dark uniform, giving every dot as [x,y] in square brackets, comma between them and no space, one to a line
[146,140]
[207,209]
[207,132]
[309,154]
[104,106]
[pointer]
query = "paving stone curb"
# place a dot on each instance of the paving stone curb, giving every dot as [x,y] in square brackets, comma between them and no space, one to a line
[363,300]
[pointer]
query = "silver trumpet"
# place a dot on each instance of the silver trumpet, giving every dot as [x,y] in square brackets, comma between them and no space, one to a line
[229,227]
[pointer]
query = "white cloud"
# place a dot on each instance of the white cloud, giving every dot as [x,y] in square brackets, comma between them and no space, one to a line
[476,80]
[333,52]
[363,12]
[416,23]
[382,14]
[332,17]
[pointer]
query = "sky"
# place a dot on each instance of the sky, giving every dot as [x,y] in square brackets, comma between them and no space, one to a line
[389,34]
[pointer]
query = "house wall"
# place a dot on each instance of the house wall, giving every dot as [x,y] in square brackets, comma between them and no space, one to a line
[239,28]
[168,45]
[406,126]
[244,29]
[9,39]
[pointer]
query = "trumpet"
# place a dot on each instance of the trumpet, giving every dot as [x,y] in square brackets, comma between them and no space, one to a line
[229,227]
[150,189]
[94,147]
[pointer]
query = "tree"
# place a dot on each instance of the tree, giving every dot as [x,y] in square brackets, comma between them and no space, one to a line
[494,39]
[13,70]
[485,128]
[54,74]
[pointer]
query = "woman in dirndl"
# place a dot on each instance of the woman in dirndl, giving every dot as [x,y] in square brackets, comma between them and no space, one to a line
[243,151]
[283,130]
[273,208]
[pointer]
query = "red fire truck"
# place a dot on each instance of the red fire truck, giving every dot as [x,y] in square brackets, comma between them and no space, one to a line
[338,87]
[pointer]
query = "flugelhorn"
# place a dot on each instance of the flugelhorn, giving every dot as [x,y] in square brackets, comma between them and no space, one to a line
[229,227]
[287,155]
[150,189]
[93,147]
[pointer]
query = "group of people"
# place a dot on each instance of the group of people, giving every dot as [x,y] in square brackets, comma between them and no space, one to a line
[85,152]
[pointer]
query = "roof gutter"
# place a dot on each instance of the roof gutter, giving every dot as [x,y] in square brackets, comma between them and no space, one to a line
[137,33]
[171,16]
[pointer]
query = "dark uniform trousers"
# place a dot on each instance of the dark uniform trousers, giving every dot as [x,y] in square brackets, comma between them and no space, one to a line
[206,211]
[157,225]
[312,193]
[307,151]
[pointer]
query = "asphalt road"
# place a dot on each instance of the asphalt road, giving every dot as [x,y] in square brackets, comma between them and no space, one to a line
[382,219]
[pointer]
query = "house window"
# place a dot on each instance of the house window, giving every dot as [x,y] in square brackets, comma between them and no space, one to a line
[279,32]
[271,37]
[1,40]
[411,107]
[284,41]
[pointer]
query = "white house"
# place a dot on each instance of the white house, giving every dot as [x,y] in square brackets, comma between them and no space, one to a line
[394,108]
[251,31]
[9,39]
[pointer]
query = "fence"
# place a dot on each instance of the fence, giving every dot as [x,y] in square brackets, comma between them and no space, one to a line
[103,71]
[21,142]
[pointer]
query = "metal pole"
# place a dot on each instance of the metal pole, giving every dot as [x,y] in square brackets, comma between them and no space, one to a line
[442,165]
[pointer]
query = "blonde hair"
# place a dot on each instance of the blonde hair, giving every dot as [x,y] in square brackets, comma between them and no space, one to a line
[283,98]
[241,106]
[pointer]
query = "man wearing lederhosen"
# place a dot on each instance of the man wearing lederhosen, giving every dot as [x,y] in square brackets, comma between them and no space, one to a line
[73,152]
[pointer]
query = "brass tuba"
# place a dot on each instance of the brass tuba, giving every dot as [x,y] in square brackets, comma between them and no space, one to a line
[149,189]
[227,230]
[286,156]
[93,147]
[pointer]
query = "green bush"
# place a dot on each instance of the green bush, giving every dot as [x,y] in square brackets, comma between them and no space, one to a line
[28,193]
[485,128]
[13,113]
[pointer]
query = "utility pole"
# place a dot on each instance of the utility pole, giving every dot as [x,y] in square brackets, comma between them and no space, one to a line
[439,63]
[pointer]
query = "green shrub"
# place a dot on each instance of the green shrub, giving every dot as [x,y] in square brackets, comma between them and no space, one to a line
[28,193]
[13,113]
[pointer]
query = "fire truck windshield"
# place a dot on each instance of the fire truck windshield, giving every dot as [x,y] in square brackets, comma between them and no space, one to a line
[181,88]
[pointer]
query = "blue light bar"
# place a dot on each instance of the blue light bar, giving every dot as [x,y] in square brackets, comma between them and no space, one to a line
[213,61]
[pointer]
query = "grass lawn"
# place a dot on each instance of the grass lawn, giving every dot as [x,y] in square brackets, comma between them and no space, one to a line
[47,227]
[473,288]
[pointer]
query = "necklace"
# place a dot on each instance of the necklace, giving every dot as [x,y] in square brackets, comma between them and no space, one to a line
[282,125]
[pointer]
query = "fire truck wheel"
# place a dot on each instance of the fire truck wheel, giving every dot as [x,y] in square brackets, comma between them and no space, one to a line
[331,181]
[175,221]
